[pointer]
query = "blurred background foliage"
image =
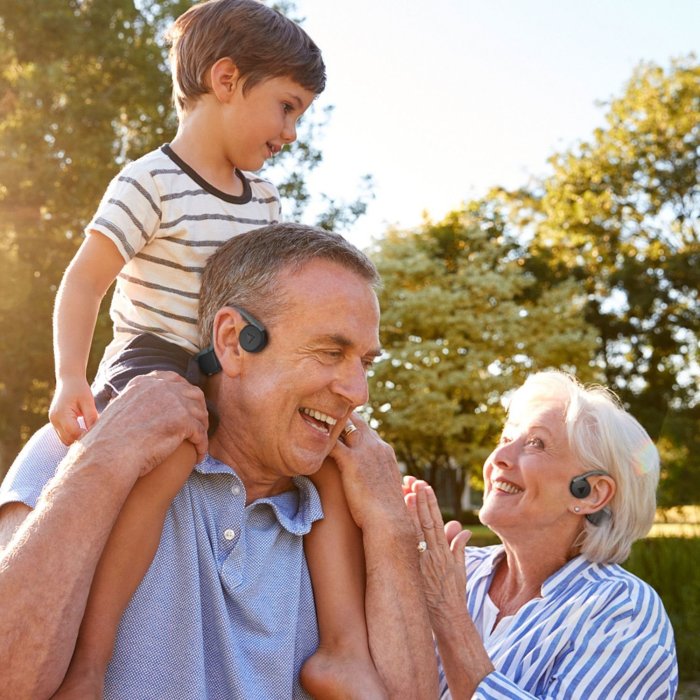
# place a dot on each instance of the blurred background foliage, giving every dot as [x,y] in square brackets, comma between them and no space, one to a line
[594,268]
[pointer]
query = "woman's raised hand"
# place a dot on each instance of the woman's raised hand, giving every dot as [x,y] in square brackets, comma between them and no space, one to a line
[441,550]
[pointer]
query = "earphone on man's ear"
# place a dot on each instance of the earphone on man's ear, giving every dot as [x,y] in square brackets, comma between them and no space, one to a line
[253,338]
[580,488]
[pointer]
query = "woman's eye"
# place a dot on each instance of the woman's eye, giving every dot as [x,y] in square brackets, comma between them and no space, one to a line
[536,442]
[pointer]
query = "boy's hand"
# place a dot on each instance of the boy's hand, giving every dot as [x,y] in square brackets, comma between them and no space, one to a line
[72,400]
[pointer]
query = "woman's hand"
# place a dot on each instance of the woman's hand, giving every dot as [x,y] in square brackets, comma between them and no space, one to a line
[442,560]
[462,652]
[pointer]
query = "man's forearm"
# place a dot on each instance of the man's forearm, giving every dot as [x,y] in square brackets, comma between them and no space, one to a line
[397,620]
[46,571]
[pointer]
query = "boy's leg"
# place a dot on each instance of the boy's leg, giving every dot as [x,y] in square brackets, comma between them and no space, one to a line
[127,555]
[342,667]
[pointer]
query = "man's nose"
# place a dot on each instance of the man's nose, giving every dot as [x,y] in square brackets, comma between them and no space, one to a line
[351,383]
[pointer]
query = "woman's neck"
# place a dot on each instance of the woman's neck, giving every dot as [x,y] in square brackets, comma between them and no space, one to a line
[520,574]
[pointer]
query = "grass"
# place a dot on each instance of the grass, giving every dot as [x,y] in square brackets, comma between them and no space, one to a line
[672,566]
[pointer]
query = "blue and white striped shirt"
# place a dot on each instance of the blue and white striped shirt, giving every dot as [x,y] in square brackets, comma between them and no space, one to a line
[597,633]
[226,610]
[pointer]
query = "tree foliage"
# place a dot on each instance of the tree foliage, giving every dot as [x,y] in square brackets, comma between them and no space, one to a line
[620,213]
[463,323]
[84,88]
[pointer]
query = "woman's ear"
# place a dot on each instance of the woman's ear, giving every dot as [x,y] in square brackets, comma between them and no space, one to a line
[223,79]
[602,491]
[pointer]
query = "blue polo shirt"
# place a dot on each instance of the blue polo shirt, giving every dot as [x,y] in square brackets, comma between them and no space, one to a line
[226,609]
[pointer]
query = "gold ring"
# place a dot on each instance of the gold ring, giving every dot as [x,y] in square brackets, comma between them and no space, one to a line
[348,430]
[422,546]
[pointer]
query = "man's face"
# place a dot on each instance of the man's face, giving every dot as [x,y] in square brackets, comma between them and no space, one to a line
[294,398]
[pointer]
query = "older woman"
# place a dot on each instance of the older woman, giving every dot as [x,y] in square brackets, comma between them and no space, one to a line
[550,613]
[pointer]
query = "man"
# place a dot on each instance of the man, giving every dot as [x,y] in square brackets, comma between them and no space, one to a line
[200,623]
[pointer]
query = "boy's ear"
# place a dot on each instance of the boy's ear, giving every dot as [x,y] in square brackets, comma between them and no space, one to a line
[223,78]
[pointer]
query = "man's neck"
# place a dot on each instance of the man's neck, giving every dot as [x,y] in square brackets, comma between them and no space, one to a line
[256,478]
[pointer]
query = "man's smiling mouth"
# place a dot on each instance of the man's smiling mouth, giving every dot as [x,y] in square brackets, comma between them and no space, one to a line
[317,420]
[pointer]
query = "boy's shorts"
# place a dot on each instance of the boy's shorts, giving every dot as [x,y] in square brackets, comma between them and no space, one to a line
[143,354]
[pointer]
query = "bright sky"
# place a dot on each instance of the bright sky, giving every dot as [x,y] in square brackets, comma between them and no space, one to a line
[441,99]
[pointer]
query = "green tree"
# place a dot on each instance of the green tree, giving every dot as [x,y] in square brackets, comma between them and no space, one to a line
[84,88]
[463,323]
[620,213]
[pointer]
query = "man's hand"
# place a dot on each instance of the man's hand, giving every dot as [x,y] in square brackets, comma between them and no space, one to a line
[153,416]
[371,477]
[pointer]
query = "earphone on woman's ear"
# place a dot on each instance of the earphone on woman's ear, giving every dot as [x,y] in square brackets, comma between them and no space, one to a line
[253,338]
[580,488]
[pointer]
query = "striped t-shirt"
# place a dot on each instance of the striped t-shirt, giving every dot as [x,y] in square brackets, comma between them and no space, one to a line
[166,221]
[597,633]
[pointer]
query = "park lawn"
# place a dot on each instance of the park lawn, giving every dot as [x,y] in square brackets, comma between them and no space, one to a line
[680,521]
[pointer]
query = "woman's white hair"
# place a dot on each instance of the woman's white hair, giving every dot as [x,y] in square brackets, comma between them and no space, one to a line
[603,436]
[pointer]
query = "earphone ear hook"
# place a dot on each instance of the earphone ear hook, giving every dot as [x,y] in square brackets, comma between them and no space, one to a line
[580,488]
[253,338]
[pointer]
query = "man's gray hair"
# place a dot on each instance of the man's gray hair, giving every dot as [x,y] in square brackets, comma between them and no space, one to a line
[245,270]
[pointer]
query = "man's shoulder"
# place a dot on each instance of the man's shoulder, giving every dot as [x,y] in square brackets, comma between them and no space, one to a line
[32,468]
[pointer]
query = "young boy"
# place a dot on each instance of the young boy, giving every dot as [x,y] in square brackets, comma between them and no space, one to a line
[243,75]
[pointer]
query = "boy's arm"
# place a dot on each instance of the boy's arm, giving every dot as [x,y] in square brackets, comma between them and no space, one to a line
[87,279]
[398,625]
[48,555]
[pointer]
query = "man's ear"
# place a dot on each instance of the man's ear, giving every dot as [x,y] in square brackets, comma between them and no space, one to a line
[228,324]
[223,79]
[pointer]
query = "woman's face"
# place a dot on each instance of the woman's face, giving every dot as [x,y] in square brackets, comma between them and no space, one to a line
[527,476]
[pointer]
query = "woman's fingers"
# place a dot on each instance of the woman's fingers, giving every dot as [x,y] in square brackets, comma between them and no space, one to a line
[411,507]
[435,514]
[452,529]
[407,484]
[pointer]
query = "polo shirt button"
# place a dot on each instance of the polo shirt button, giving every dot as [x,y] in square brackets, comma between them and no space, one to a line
[235,490]
[229,534]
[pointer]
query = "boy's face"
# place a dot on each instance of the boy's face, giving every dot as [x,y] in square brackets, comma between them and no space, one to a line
[258,124]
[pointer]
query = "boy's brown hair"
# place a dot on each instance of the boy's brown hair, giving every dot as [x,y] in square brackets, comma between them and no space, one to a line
[261,42]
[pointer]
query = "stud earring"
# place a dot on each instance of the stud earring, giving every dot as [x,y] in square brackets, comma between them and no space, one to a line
[577,509]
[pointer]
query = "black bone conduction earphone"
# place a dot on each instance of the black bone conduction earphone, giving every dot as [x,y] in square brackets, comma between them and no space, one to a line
[253,338]
[580,488]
